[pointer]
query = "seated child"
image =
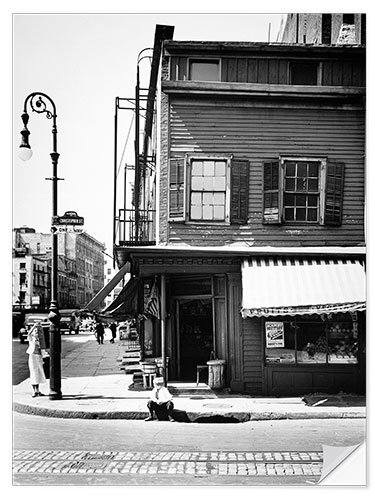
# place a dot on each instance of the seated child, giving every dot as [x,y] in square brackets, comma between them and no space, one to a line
[160,402]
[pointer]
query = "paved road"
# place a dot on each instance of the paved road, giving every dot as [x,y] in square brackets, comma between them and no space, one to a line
[65,451]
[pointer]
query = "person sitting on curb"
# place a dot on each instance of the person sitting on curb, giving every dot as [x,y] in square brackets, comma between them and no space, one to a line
[160,402]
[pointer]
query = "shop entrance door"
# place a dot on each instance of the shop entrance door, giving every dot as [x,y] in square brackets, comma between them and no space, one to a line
[194,334]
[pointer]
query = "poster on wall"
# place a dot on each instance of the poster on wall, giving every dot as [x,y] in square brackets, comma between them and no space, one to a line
[274,334]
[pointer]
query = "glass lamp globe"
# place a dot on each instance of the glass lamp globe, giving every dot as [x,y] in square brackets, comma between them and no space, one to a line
[25,153]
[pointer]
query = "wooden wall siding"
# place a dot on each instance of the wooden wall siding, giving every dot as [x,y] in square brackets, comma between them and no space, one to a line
[252,356]
[249,70]
[260,134]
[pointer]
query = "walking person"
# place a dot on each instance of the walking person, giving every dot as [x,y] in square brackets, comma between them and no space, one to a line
[160,402]
[113,328]
[36,351]
[99,329]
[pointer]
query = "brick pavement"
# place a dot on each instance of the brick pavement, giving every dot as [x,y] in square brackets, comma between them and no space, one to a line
[212,463]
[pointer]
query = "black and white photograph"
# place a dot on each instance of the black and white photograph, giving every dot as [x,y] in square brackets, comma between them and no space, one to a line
[189,236]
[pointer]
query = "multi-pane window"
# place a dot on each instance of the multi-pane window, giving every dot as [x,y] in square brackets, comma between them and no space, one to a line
[208,190]
[301,191]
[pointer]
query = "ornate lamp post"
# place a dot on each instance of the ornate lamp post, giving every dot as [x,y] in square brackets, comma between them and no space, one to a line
[42,104]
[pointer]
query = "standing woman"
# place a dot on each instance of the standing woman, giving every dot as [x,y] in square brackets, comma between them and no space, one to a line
[35,351]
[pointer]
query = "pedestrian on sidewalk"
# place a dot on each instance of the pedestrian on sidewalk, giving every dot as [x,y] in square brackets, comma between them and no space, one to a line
[113,328]
[99,329]
[36,351]
[160,402]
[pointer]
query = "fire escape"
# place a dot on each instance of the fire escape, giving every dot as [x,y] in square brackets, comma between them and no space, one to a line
[134,220]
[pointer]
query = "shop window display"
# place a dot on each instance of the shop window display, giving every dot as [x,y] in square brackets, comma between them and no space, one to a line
[312,340]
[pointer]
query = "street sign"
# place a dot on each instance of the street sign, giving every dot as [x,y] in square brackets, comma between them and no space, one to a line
[69,218]
[66,229]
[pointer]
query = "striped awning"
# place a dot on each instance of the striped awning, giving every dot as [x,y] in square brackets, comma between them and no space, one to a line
[125,304]
[294,286]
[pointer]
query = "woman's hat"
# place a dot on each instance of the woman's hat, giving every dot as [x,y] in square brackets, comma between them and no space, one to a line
[159,380]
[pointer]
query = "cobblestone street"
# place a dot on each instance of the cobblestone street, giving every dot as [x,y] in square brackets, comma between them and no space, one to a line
[191,463]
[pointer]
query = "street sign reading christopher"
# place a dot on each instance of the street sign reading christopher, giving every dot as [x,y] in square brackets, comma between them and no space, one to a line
[69,218]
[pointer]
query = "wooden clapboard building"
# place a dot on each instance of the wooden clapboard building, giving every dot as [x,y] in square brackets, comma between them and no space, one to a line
[258,255]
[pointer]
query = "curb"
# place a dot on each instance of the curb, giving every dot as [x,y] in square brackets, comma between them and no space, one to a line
[186,415]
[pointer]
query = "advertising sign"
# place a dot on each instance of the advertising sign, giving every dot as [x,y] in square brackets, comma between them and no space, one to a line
[274,334]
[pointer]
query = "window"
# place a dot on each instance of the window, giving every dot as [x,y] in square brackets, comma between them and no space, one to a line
[204,70]
[326,28]
[304,73]
[208,189]
[348,18]
[303,191]
[22,265]
[312,340]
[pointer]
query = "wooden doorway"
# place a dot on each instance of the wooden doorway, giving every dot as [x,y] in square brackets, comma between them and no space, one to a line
[195,334]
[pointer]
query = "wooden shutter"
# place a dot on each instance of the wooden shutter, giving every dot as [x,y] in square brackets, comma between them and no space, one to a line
[239,191]
[177,189]
[271,192]
[334,190]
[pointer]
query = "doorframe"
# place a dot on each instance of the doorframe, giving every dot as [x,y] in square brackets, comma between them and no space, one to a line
[177,300]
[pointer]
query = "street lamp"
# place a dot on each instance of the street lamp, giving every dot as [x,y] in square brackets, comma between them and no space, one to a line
[41,103]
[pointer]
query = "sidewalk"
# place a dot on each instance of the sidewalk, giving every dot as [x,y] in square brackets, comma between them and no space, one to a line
[94,387]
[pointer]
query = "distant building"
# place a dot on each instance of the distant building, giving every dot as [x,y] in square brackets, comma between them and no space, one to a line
[324,29]
[80,269]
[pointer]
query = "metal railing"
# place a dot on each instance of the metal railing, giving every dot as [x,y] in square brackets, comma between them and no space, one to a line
[136,227]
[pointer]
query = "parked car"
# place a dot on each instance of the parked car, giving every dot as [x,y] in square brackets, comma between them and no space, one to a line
[30,320]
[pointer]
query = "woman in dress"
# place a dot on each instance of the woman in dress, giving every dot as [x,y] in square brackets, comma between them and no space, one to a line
[35,351]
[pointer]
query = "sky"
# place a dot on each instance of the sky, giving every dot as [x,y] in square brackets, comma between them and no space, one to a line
[83,62]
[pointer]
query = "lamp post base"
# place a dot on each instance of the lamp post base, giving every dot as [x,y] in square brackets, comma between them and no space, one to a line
[54,396]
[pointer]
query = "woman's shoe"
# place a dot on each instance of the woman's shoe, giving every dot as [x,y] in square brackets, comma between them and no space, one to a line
[40,394]
[35,395]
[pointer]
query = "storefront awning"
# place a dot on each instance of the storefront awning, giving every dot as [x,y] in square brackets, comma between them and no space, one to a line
[107,289]
[125,304]
[292,286]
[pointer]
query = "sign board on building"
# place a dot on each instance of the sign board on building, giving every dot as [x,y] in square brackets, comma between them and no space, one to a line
[274,334]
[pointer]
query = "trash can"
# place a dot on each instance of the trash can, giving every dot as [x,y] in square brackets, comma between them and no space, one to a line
[216,373]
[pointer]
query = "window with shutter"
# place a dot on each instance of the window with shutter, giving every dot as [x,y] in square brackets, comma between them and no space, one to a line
[177,189]
[239,189]
[271,192]
[334,193]
[303,190]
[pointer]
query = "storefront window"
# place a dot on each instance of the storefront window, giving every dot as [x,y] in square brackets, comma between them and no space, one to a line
[312,340]
[342,342]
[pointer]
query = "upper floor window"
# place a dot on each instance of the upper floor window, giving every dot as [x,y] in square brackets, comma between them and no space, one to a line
[208,189]
[303,190]
[204,70]
[304,73]
[22,265]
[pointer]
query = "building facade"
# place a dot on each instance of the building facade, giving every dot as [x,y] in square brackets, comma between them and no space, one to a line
[326,29]
[260,249]
[80,269]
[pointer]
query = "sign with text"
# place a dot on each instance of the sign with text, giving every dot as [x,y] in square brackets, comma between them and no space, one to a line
[274,334]
[67,229]
[69,218]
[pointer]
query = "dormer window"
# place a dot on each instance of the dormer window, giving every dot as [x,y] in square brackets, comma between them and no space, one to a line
[204,70]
